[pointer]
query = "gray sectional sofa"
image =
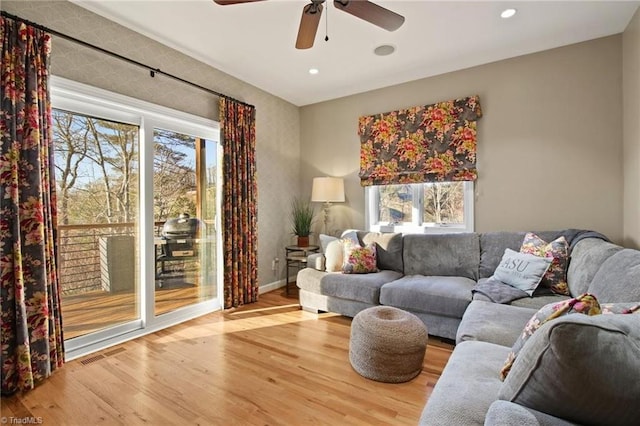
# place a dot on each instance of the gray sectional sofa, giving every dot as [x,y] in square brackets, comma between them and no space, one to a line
[428,275]
[573,370]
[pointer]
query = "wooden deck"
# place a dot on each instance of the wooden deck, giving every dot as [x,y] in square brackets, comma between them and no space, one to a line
[92,311]
[267,363]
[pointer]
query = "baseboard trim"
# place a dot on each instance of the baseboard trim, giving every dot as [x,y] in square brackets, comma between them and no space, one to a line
[271,286]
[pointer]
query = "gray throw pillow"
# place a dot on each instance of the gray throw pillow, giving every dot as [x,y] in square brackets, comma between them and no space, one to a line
[521,270]
[388,249]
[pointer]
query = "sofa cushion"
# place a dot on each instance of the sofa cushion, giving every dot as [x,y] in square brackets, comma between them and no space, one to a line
[492,245]
[584,304]
[522,270]
[618,279]
[358,259]
[585,259]
[585,369]
[454,255]
[558,250]
[359,287]
[467,387]
[537,302]
[505,413]
[388,249]
[447,296]
[493,323]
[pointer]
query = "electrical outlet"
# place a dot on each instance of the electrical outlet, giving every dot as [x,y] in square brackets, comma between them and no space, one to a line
[274,263]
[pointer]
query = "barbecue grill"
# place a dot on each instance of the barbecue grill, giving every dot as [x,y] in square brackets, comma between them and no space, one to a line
[180,240]
[180,234]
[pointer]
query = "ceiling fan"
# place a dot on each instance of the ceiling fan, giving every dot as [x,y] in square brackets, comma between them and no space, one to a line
[363,9]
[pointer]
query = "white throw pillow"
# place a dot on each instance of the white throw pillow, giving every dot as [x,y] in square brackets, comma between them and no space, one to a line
[334,256]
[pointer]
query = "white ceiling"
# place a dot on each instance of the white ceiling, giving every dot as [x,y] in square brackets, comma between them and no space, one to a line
[255,42]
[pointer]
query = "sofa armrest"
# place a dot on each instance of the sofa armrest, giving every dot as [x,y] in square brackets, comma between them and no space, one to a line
[505,413]
[316,261]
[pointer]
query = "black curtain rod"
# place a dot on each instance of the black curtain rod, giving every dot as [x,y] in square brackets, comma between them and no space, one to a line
[152,71]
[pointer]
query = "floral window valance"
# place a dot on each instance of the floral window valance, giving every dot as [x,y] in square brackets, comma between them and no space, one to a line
[431,143]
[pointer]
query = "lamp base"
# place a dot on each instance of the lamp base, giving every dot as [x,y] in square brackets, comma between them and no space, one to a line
[325,209]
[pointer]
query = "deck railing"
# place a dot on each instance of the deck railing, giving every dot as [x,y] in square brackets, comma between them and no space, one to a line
[85,253]
[79,254]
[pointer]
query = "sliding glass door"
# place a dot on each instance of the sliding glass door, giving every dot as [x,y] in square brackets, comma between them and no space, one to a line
[138,199]
[96,163]
[185,177]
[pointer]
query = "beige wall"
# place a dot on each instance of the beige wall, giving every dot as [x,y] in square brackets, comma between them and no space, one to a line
[549,143]
[277,121]
[631,150]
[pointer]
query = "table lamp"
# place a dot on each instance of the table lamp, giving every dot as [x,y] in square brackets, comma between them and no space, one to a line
[327,190]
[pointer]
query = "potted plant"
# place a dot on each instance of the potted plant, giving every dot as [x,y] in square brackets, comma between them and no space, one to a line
[302,215]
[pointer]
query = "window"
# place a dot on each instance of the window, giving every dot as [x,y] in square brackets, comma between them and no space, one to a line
[420,208]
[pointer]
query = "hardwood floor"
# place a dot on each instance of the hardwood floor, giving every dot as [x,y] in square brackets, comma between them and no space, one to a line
[93,311]
[268,363]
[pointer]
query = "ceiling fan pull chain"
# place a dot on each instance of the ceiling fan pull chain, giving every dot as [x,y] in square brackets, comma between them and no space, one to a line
[326,28]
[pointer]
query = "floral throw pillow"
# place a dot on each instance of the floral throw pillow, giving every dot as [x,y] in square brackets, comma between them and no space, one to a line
[584,304]
[558,250]
[357,259]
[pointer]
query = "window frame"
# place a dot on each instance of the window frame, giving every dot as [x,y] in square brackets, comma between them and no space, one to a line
[372,223]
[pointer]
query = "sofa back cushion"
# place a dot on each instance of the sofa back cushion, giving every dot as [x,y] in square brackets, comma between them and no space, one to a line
[493,244]
[442,255]
[586,258]
[618,279]
[585,369]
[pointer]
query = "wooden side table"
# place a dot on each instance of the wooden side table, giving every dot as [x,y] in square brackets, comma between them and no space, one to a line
[296,257]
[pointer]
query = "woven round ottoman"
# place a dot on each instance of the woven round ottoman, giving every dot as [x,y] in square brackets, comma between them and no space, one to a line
[387,344]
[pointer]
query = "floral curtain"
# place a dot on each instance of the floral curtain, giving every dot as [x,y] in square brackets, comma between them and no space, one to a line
[239,220]
[431,143]
[31,342]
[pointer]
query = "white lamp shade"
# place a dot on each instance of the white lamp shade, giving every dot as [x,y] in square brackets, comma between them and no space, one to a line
[327,189]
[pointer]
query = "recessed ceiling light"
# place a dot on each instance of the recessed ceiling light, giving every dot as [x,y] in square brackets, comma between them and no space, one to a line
[384,50]
[507,13]
[313,71]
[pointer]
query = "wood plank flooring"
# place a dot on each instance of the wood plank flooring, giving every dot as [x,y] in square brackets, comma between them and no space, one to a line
[96,310]
[267,363]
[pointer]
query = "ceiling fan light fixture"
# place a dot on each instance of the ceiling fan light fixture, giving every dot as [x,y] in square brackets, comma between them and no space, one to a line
[384,50]
[507,13]
[313,71]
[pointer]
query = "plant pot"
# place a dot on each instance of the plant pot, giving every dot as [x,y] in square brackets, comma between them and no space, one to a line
[303,241]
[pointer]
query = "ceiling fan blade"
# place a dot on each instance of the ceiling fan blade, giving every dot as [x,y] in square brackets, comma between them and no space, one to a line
[308,25]
[371,12]
[227,2]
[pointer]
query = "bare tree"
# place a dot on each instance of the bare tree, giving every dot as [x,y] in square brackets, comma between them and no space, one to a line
[114,148]
[174,178]
[443,202]
[70,142]
[97,164]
